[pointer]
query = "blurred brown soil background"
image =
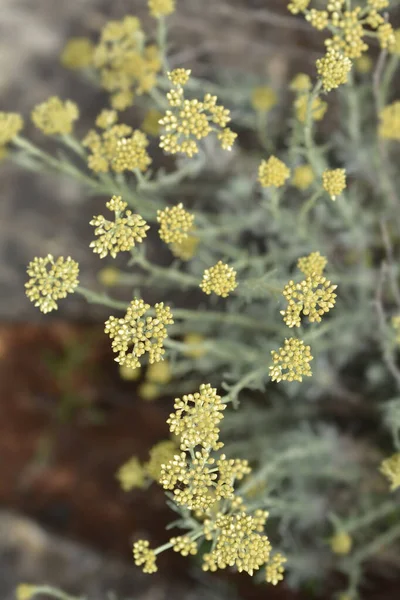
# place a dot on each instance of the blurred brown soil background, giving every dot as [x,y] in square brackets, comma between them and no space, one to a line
[64,427]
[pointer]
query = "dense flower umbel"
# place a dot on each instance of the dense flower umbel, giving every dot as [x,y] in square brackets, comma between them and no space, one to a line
[275,569]
[186,249]
[50,280]
[318,108]
[160,454]
[303,176]
[263,98]
[334,182]
[119,148]
[55,116]
[319,19]
[175,224]
[189,121]
[220,279]
[77,53]
[161,8]
[184,545]
[131,475]
[10,125]
[389,127]
[333,69]
[144,556]
[127,66]
[313,297]
[291,363]
[313,264]
[296,6]
[390,468]
[133,335]
[273,172]
[119,235]
[341,542]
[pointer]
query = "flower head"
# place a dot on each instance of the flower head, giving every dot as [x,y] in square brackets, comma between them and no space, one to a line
[131,475]
[220,279]
[291,362]
[55,116]
[144,556]
[263,98]
[389,127]
[133,335]
[390,468]
[301,83]
[179,77]
[334,182]
[341,543]
[303,176]
[313,297]
[313,264]
[333,69]
[108,276]
[77,53]
[151,122]
[297,6]
[193,342]
[318,19]
[10,125]
[107,118]
[119,235]
[318,108]
[159,373]
[184,545]
[25,591]
[186,249]
[50,280]
[160,454]
[273,172]
[275,569]
[161,8]
[175,224]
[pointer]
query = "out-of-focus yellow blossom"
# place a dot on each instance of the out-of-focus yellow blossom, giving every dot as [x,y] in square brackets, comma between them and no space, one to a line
[159,373]
[51,280]
[108,276]
[175,224]
[189,121]
[144,556]
[318,108]
[10,125]
[160,454]
[192,340]
[396,327]
[149,391]
[263,98]
[363,64]
[313,297]
[106,119]
[133,335]
[334,182]
[333,69]
[77,53]
[127,65]
[301,83]
[341,543]
[273,172]
[3,152]
[386,36]
[161,8]
[291,362]
[313,264]
[303,176]
[120,235]
[389,127]
[131,475]
[55,116]
[25,591]
[318,19]
[151,123]
[394,48]
[275,569]
[186,249]
[184,545]
[128,374]
[219,279]
[297,6]
[390,468]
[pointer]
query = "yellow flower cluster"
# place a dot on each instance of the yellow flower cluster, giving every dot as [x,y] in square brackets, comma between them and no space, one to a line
[25,591]
[193,342]
[333,69]
[133,336]
[144,556]
[334,182]
[160,454]
[189,121]
[50,280]
[151,122]
[106,118]
[186,249]
[184,545]
[313,264]
[297,6]
[263,98]
[10,125]
[313,297]
[77,53]
[127,66]
[134,474]
[291,363]
[275,569]
[395,47]
[220,279]
[318,108]
[118,148]
[389,127]
[119,235]
[55,116]
[318,19]
[196,418]
[131,475]
[301,83]
[303,176]
[396,327]
[273,172]
[161,8]
[341,543]
[390,468]
[175,224]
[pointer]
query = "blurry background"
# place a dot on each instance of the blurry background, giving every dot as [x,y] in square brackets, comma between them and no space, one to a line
[67,420]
